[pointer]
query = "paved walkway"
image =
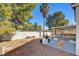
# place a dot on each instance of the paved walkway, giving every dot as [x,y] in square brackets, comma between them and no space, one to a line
[35,48]
[7,46]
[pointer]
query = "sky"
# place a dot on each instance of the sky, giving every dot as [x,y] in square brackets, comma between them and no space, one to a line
[66,8]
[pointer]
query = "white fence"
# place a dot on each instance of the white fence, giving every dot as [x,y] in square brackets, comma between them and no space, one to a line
[22,35]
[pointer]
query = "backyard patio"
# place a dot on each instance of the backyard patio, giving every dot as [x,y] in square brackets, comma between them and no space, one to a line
[35,48]
[28,38]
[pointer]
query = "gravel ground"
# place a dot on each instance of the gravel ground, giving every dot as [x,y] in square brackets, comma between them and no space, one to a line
[35,48]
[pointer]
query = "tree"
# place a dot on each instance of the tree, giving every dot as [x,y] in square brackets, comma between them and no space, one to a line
[17,12]
[30,27]
[22,13]
[44,8]
[5,11]
[14,16]
[57,19]
[6,29]
[37,27]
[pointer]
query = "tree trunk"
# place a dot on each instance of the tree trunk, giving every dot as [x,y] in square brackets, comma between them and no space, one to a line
[44,27]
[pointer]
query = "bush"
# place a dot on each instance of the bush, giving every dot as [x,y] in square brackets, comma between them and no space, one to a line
[6,28]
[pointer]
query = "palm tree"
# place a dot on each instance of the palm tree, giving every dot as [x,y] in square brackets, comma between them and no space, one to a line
[44,8]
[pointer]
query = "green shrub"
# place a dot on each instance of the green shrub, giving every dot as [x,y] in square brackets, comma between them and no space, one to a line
[6,27]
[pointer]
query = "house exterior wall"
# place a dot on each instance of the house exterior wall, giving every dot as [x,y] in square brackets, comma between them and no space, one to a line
[77,30]
[69,32]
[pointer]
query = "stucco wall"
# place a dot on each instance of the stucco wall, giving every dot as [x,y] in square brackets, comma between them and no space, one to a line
[77,30]
[22,35]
